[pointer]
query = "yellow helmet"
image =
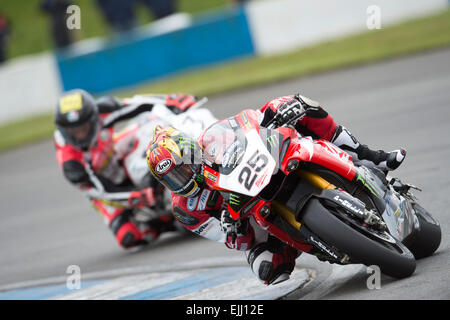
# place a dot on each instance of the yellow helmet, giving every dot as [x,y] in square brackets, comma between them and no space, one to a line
[175,160]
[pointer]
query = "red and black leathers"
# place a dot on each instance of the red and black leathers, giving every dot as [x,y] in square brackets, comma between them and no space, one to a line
[101,172]
[271,260]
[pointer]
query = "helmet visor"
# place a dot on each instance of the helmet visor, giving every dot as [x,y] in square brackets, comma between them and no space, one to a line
[80,136]
[80,132]
[180,179]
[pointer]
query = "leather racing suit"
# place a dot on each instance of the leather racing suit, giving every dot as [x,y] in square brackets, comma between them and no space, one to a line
[104,174]
[271,260]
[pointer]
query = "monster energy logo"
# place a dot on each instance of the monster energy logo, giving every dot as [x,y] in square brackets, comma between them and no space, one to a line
[272,140]
[234,199]
[186,143]
[199,178]
[366,184]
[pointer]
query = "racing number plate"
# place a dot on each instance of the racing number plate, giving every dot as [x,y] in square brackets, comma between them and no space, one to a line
[254,171]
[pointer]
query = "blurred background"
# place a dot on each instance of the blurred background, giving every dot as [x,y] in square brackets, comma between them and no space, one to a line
[381,67]
[124,47]
[38,25]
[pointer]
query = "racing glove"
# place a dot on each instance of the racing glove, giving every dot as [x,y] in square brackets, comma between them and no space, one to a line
[229,225]
[142,198]
[239,234]
[179,103]
[288,111]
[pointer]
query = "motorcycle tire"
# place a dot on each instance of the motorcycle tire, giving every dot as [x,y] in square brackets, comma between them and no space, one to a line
[426,240]
[394,260]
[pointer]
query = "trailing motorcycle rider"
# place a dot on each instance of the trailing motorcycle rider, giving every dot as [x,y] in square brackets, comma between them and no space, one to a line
[95,158]
[201,209]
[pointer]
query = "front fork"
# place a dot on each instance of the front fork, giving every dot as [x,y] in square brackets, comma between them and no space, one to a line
[283,224]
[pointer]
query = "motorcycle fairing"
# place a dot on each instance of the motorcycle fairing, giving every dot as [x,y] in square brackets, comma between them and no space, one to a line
[239,159]
[325,154]
[256,164]
[253,173]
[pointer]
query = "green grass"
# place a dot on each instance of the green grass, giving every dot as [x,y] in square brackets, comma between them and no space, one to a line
[26,131]
[406,38]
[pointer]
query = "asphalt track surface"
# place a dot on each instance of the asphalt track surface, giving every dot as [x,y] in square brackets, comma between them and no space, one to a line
[46,225]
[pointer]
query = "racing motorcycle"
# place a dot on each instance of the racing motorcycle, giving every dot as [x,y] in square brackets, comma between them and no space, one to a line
[309,194]
[132,139]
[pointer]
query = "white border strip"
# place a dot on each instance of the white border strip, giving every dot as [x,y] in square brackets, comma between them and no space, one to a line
[198,264]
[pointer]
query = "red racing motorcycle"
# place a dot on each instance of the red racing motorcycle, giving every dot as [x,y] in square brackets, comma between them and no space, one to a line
[309,194]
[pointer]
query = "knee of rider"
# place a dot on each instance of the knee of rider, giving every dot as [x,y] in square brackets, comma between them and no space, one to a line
[268,263]
[126,233]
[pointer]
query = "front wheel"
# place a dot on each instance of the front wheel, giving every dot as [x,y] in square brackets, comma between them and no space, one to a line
[425,241]
[393,259]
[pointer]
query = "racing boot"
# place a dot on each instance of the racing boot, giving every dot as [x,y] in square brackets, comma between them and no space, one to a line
[363,155]
[395,158]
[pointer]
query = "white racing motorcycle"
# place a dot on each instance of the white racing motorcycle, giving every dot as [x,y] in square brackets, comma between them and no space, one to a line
[133,138]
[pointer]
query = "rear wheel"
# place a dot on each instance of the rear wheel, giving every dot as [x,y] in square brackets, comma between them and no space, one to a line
[393,258]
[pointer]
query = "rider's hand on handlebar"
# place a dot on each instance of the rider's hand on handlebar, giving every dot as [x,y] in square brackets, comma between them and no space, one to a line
[288,111]
[179,103]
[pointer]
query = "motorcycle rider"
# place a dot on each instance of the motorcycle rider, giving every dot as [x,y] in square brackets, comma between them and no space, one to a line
[202,209]
[92,157]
